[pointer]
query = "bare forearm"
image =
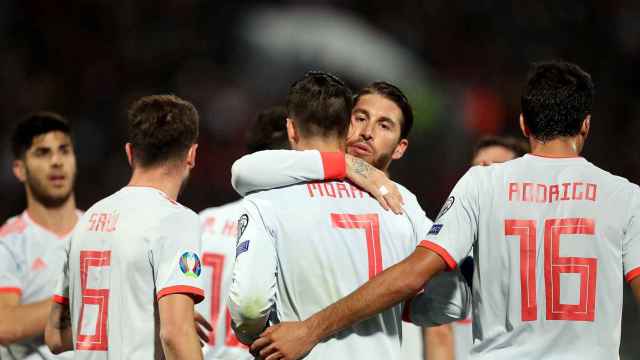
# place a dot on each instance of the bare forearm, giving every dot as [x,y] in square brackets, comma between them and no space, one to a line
[394,285]
[57,334]
[182,345]
[23,321]
[177,328]
[635,286]
[439,343]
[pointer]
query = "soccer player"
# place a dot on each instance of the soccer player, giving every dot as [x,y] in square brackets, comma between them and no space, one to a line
[219,231]
[552,235]
[381,121]
[32,243]
[303,246]
[132,271]
[454,341]
[497,149]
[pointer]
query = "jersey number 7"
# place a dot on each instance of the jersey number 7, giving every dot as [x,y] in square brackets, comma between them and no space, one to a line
[371,226]
[554,266]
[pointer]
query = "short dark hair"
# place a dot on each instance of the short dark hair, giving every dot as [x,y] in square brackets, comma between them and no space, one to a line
[35,125]
[557,98]
[161,128]
[394,94]
[269,131]
[320,105]
[518,146]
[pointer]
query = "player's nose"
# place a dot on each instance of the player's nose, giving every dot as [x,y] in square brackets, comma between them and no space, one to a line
[367,132]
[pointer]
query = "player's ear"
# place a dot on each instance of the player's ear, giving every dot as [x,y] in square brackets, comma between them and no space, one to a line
[524,128]
[398,152]
[129,150]
[586,125]
[292,133]
[19,170]
[191,156]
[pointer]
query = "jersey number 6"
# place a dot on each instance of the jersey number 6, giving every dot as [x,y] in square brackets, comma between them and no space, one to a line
[554,265]
[96,339]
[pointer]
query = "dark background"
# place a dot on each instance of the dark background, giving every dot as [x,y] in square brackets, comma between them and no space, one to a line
[462,64]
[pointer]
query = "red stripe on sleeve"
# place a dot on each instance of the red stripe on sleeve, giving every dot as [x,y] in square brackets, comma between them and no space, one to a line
[61,299]
[334,165]
[633,274]
[444,254]
[14,290]
[196,293]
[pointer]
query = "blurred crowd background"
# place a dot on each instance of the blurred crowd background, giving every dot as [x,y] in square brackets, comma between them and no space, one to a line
[461,63]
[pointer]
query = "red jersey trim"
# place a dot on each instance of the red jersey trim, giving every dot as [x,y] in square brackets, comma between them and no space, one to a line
[61,299]
[632,274]
[14,290]
[444,254]
[17,226]
[196,293]
[334,165]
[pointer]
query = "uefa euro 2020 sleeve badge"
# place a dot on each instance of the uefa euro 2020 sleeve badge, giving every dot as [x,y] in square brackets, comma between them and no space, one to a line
[190,264]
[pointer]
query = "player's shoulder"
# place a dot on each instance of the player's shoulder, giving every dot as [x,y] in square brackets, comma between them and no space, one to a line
[410,200]
[611,178]
[222,210]
[407,195]
[13,230]
[270,195]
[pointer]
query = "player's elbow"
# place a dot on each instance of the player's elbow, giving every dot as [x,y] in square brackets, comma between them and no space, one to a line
[176,333]
[53,338]
[412,283]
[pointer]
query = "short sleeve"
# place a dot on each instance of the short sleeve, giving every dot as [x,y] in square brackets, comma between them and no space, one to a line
[61,291]
[10,270]
[253,288]
[176,256]
[456,227]
[631,242]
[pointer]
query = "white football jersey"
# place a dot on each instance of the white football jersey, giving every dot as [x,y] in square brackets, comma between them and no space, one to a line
[31,259]
[412,347]
[552,240]
[219,234]
[462,338]
[127,251]
[305,246]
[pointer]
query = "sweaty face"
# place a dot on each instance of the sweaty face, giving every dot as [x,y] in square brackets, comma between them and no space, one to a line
[375,130]
[50,168]
[493,154]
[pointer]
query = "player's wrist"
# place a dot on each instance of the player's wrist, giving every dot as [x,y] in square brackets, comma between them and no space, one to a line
[314,331]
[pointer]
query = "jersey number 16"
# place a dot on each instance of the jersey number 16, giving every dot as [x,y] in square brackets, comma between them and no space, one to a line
[554,265]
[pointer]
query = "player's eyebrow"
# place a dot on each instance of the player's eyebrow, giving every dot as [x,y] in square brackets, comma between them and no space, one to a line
[387,120]
[41,149]
[361,111]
